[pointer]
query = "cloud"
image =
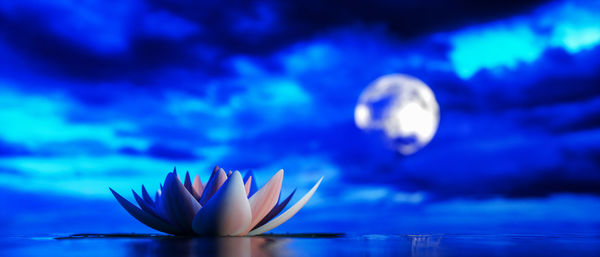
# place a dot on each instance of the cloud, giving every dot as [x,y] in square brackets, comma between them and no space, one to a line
[262,86]
[570,25]
[10,149]
[171,153]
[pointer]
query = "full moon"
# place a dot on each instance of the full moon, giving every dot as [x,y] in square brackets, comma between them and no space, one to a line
[403,108]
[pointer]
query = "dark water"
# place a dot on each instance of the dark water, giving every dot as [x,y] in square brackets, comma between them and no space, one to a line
[346,245]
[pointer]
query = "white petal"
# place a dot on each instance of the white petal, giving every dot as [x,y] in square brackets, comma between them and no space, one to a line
[227,212]
[287,214]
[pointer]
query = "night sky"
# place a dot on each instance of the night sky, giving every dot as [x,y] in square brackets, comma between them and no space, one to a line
[116,93]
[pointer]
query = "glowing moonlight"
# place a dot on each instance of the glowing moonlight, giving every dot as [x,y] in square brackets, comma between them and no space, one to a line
[403,108]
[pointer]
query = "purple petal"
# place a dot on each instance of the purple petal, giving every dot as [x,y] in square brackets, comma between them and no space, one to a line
[145,206]
[146,196]
[188,182]
[212,186]
[178,204]
[144,217]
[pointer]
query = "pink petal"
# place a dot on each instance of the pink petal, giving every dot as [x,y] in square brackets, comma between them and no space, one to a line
[144,217]
[213,185]
[276,210]
[253,186]
[178,204]
[197,188]
[227,213]
[287,214]
[248,185]
[265,198]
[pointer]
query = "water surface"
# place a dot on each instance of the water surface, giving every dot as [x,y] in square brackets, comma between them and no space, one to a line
[132,245]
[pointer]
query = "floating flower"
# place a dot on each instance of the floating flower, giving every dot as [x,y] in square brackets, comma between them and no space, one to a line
[226,205]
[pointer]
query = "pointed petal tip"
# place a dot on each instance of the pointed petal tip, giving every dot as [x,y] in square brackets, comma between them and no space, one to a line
[188,182]
[287,214]
[276,210]
[143,216]
[265,199]
[227,213]
[213,185]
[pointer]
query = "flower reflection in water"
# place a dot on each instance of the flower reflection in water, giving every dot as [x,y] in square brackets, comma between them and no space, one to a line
[213,246]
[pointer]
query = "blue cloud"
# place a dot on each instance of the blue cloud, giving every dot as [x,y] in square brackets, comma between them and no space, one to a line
[570,25]
[10,149]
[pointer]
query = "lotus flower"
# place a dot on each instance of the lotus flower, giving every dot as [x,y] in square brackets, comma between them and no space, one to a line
[226,205]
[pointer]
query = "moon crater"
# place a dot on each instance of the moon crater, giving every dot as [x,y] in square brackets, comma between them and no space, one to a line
[403,108]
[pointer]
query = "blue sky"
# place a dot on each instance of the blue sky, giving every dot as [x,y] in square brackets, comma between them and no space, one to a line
[96,94]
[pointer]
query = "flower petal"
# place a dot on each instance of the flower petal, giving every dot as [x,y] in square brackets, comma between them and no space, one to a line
[265,199]
[197,188]
[253,186]
[276,210]
[145,206]
[146,196]
[144,217]
[213,185]
[247,185]
[227,213]
[287,214]
[188,182]
[178,204]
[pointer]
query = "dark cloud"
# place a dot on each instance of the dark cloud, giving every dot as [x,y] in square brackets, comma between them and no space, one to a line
[210,32]
[11,149]
[171,153]
[163,151]
[567,78]
[261,26]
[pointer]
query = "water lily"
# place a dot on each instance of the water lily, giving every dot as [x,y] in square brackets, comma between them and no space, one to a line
[226,205]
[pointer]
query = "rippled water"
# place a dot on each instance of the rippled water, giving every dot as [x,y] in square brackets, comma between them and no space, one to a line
[302,245]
